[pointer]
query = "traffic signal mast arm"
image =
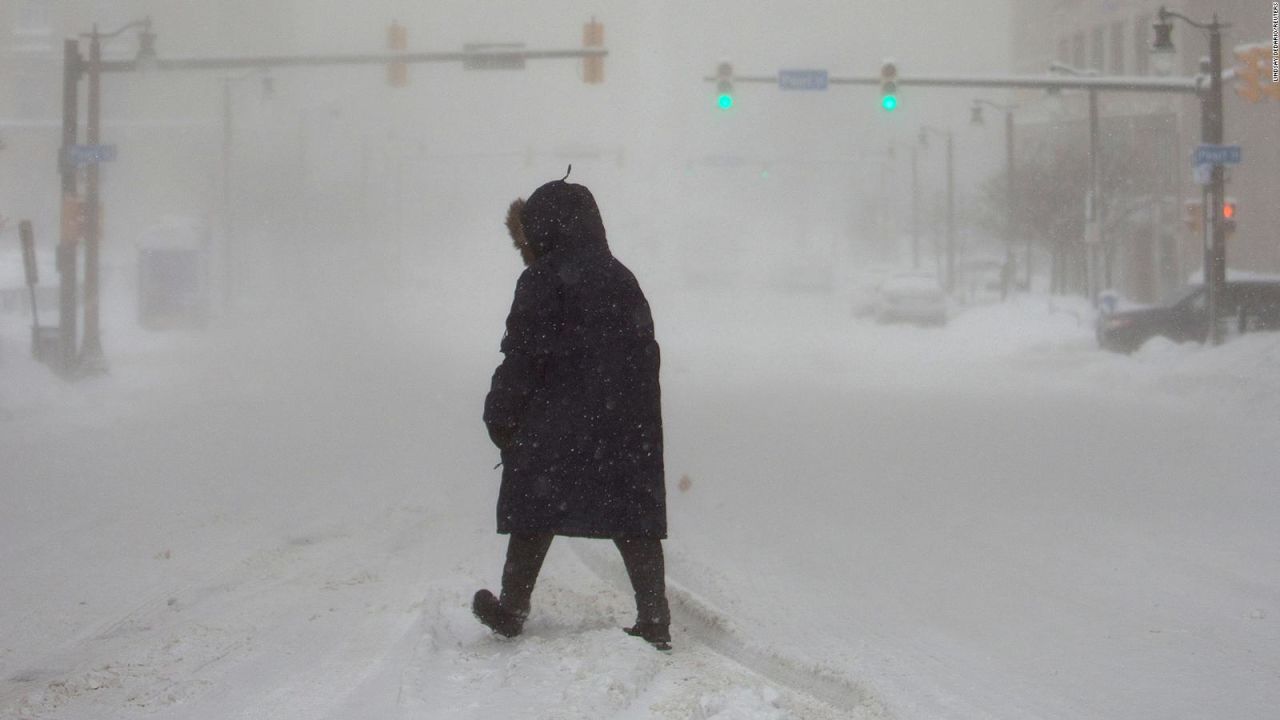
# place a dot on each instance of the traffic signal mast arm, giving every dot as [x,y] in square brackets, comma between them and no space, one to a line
[1038,82]
[285,61]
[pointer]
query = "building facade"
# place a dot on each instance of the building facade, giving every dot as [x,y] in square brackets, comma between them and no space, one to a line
[1151,245]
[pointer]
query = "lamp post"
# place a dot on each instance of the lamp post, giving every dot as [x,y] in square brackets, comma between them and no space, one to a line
[228,140]
[1212,131]
[91,356]
[1012,188]
[950,280]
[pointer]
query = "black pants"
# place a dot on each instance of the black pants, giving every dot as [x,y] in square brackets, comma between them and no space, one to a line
[641,556]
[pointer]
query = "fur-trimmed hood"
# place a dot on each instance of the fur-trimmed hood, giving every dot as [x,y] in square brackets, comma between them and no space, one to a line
[559,216]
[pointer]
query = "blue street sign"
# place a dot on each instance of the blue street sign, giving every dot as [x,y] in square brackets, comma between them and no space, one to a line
[1217,155]
[802,79]
[80,155]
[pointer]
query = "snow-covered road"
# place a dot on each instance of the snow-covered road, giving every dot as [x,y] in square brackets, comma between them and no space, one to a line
[284,520]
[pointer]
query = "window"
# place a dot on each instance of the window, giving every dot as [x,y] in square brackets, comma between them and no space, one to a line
[1142,45]
[1117,48]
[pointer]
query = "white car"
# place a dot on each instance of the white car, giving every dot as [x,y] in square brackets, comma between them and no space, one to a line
[912,298]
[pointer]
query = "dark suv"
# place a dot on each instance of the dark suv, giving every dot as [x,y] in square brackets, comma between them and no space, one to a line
[1246,305]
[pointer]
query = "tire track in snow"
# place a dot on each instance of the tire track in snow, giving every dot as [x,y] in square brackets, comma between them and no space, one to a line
[717,632]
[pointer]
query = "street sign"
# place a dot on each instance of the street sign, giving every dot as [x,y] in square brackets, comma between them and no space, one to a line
[1217,155]
[81,155]
[802,79]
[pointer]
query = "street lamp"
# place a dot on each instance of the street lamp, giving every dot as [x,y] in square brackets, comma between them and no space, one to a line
[1011,192]
[1212,132]
[1163,54]
[925,130]
[91,360]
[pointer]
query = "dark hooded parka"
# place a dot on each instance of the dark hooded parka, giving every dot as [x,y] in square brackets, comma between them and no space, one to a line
[575,406]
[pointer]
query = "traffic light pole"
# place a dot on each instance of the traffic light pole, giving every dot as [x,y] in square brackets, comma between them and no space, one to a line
[1185,86]
[68,237]
[263,62]
[91,357]
[1211,125]
[1214,133]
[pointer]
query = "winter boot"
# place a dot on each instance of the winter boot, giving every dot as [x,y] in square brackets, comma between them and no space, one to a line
[656,634]
[493,615]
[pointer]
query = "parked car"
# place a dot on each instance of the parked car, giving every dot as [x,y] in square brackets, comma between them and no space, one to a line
[912,298]
[1245,305]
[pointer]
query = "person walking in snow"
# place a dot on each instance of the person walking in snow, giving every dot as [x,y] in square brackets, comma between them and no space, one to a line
[575,410]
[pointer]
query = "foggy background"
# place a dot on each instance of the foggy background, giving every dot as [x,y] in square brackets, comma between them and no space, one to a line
[282,508]
[376,178]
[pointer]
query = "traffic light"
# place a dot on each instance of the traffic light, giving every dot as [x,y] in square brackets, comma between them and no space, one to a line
[724,85]
[889,86]
[397,41]
[1195,215]
[593,67]
[1255,72]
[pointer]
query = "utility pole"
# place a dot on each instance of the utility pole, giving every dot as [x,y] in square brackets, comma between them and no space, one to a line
[68,239]
[1212,132]
[1215,132]
[91,358]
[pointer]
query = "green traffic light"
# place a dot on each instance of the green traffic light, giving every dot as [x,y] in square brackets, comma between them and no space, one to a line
[889,102]
[725,101]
